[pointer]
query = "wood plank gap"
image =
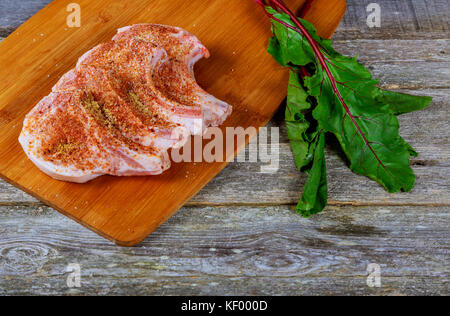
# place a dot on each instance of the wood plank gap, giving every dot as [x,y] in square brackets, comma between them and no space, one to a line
[330,203]
[240,204]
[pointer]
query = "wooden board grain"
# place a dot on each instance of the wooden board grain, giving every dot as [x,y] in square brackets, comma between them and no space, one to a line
[126,210]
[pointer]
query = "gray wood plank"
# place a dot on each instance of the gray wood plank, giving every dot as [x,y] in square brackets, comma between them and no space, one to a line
[243,184]
[403,64]
[15,13]
[233,251]
[401,19]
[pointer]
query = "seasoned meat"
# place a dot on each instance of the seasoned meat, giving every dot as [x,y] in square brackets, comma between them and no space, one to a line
[123,106]
[67,137]
[116,76]
[176,79]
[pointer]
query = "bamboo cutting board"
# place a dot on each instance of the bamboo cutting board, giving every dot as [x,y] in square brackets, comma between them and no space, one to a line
[240,71]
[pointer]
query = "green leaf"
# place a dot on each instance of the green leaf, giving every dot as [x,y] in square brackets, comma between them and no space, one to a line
[290,46]
[411,150]
[362,121]
[340,97]
[401,103]
[370,140]
[296,122]
[275,50]
[308,148]
[367,131]
[315,192]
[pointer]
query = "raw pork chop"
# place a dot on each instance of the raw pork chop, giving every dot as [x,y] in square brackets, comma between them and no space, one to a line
[67,136]
[131,66]
[116,75]
[176,79]
[121,109]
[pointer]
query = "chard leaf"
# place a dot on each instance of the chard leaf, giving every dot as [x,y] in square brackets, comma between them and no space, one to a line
[315,192]
[340,97]
[368,134]
[349,105]
[401,103]
[296,123]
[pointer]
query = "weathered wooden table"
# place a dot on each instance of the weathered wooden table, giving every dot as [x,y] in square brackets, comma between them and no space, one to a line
[240,235]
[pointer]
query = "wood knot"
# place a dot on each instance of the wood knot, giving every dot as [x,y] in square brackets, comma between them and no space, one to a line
[22,258]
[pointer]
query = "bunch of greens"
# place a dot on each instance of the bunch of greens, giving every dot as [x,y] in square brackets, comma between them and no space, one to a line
[331,93]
